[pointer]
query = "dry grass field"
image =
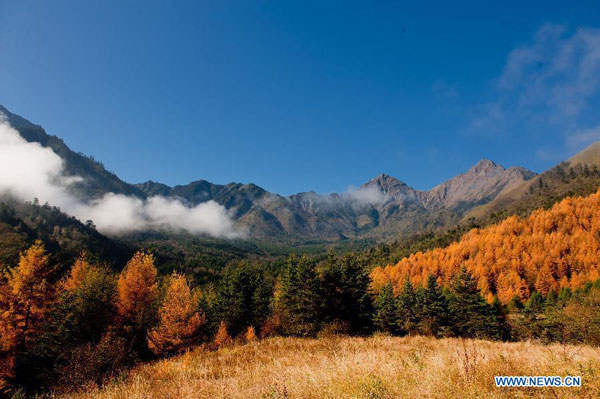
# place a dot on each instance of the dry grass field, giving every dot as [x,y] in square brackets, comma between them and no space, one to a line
[375,368]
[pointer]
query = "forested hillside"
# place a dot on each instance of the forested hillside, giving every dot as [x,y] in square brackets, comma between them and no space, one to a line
[547,251]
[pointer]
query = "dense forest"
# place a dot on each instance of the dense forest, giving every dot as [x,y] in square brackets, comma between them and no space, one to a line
[548,251]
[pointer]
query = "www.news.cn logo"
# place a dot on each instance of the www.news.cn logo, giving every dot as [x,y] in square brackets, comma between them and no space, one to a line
[538,381]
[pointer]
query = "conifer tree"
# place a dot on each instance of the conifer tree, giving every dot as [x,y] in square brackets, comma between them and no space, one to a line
[385,316]
[180,322]
[300,303]
[87,302]
[244,297]
[472,316]
[410,305]
[137,291]
[345,283]
[222,338]
[251,334]
[25,300]
[435,309]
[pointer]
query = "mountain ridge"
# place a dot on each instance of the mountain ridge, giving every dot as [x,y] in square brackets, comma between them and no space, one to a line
[382,207]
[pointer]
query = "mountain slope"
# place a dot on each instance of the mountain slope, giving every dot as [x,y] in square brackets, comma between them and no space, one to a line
[381,208]
[96,179]
[580,175]
[484,181]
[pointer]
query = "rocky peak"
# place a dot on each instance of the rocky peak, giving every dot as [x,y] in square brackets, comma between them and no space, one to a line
[483,167]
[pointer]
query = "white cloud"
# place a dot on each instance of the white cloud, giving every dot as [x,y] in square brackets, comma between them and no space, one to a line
[366,195]
[552,79]
[28,171]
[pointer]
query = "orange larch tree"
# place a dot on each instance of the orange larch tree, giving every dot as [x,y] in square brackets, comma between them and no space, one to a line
[137,298]
[180,321]
[549,250]
[26,295]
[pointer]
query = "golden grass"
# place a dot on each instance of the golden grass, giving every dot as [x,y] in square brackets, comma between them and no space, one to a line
[375,367]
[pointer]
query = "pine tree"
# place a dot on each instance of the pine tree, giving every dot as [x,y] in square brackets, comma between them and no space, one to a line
[180,322]
[435,309]
[385,310]
[472,316]
[300,303]
[244,297]
[410,306]
[137,299]
[345,283]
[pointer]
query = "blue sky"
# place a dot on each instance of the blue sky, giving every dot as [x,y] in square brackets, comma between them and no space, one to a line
[311,95]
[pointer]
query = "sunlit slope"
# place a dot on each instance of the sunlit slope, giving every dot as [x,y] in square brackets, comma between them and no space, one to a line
[549,250]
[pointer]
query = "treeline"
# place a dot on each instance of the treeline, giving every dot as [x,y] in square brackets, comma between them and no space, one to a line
[548,251]
[63,332]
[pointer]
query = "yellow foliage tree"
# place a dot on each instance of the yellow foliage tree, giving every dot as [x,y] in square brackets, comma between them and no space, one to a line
[251,334]
[180,321]
[222,337]
[137,296]
[25,299]
[548,250]
[78,274]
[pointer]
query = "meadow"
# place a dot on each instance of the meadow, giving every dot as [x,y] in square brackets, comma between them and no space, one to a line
[377,367]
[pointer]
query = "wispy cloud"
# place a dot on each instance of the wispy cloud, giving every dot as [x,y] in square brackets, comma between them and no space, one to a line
[550,80]
[582,138]
[28,171]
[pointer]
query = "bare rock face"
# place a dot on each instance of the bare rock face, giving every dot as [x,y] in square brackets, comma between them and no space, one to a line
[483,182]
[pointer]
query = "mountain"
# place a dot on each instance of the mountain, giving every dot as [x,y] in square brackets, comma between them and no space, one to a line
[589,156]
[579,175]
[96,179]
[482,183]
[382,207]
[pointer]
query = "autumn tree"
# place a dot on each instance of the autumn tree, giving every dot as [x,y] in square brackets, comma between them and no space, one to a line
[137,297]
[251,334]
[88,300]
[180,321]
[26,296]
[222,338]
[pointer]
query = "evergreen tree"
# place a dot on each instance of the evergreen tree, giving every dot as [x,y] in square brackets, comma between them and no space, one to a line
[244,298]
[386,310]
[435,309]
[535,304]
[300,301]
[345,282]
[410,306]
[472,316]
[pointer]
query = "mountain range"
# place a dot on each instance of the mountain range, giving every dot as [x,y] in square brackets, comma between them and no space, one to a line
[380,208]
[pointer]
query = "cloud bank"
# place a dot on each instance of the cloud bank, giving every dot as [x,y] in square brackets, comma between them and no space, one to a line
[28,171]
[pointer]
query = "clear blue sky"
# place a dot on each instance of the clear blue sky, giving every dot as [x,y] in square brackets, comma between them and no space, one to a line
[305,95]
